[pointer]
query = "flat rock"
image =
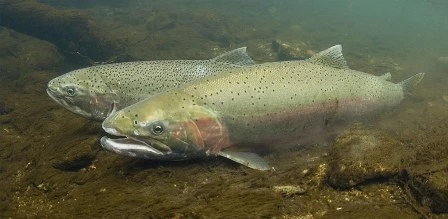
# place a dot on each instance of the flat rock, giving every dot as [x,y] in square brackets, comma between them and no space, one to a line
[361,155]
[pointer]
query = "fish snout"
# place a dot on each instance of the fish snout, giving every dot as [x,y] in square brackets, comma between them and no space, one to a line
[117,124]
[111,131]
[52,85]
[54,95]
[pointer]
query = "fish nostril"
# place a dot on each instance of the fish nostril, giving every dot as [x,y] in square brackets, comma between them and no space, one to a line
[51,88]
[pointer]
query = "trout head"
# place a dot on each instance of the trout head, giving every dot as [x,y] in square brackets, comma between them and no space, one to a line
[83,92]
[164,128]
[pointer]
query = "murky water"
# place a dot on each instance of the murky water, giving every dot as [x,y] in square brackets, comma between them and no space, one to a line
[51,163]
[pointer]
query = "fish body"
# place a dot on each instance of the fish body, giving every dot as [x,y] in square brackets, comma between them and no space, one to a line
[97,91]
[236,113]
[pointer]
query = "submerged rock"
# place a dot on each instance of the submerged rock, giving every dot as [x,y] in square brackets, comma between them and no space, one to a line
[71,30]
[4,109]
[159,22]
[433,190]
[21,54]
[428,177]
[291,51]
[361,155]
[442,62]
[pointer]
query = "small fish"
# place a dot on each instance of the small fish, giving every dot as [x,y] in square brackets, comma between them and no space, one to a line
[97,91]
[237,113]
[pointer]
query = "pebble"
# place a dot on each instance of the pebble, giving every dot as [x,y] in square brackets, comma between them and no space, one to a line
[289,190]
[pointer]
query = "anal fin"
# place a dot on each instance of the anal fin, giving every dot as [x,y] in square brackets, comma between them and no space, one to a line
[248,159]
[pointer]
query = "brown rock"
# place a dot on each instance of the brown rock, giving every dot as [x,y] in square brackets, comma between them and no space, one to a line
[21,54]
[428,177]
[291,51]
[361,155]
[432,190]
[442,62]
[70,30]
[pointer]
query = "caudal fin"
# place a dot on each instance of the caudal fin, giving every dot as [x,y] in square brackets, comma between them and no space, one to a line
[411,82]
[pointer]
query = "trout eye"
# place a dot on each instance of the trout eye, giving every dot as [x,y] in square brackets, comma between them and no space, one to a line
[157,128]
[71,91]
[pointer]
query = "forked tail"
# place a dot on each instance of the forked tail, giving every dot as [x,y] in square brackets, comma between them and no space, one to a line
[411,82]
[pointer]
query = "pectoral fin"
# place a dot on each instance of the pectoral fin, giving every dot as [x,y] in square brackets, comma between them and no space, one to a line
[248,159]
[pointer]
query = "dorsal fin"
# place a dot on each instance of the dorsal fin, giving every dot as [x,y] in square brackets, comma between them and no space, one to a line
[386,76]
[331,57]
[237,57]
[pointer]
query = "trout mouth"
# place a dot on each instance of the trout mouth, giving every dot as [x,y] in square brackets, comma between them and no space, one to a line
[131,147]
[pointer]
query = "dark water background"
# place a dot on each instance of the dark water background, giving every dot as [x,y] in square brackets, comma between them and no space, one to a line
[51,164]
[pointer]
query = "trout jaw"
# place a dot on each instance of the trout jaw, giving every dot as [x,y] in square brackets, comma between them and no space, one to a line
[131,147]
[144,149]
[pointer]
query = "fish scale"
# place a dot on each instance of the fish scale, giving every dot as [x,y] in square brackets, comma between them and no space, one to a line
[261,107]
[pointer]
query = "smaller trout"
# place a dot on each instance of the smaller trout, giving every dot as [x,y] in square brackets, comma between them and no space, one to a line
[97,91]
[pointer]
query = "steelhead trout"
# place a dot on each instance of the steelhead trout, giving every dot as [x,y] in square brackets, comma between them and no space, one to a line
[236,113]
[97,91]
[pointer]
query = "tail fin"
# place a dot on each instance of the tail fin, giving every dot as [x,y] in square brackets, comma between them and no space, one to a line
[411,82]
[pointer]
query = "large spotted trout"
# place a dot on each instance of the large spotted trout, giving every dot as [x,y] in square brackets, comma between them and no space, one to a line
[239,112]
[97,91]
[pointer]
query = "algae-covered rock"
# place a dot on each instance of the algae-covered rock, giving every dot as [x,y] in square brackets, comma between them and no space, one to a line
[291,50]
[442,62]
[361,155]
[21,54]
[428,176]
[4,109]
[433,190]
[71,30]
[278,50]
